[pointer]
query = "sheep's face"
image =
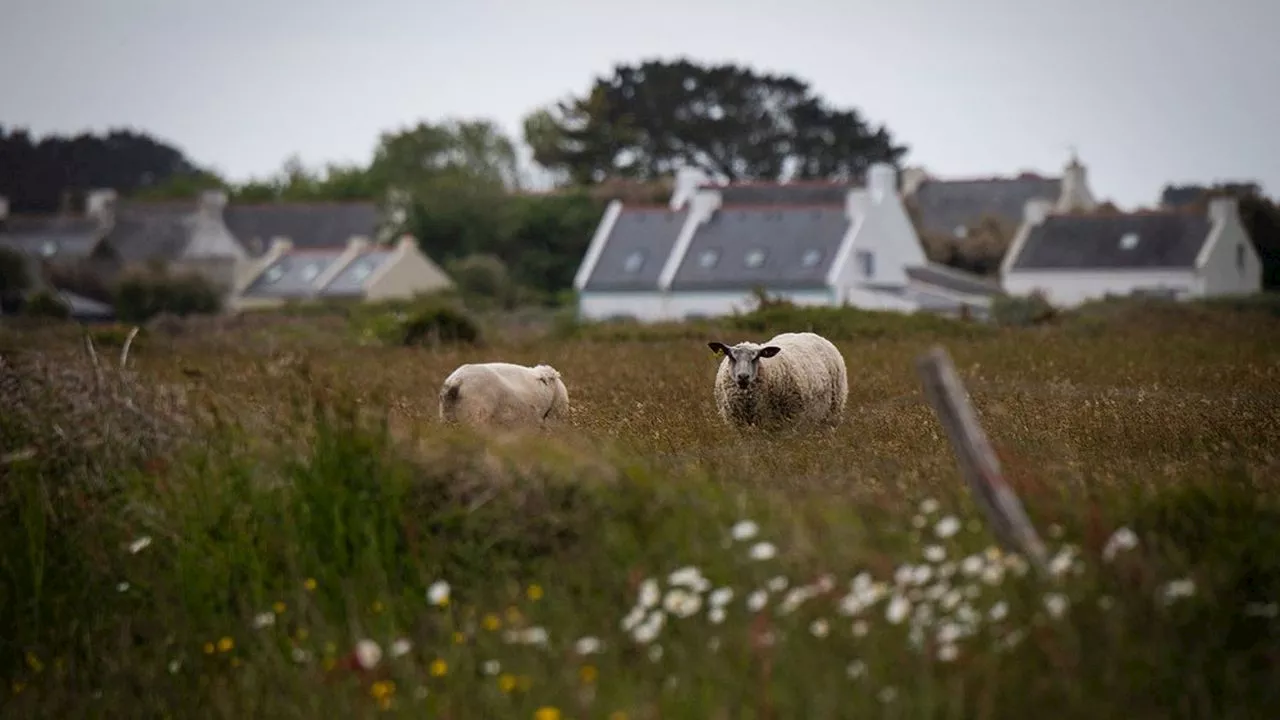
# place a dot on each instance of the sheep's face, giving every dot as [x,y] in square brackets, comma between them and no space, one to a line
[744,360]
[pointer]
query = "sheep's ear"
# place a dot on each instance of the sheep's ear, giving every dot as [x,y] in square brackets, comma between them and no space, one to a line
[769,351]
[718,348]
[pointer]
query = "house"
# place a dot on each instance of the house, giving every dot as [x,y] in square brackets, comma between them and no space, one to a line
[358,270]
[953,208]
[706,251]
[1180,253]
[304,224]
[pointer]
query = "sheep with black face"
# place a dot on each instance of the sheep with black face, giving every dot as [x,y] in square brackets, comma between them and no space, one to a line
[793,379]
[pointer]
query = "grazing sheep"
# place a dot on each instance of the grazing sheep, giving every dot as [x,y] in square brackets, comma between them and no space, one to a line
[504,395]
[803,381]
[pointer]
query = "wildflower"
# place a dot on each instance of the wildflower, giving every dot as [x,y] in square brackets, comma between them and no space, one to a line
[998,611]
[122,587]
[382,689]
[921,574]
[947,653]
[819,628]
[903,574]
[491,667]
[794,599]
[1105,602]
[888,694]
[713,644]
[490,622]
[1061,562]
[919,521]
[262,620]
[993,574]
[459,637]
[949,632]
[947,527]
[587,645]
[935,553]
[1178,589]
[649,593]
[649,629]
[513,614]
[208,648]
[856,669]
[1266,610]
[929,506]
[535,635]
[688,576]
[720,597]
[946,570]
[757,600]
[377,607]
[716,615]
[278,607]
[368,654]
[744,530]
[777,584]
[763,551]
[139,545]
[860,628]
[439,668]
[420,693]
[546,713]
[300,655]
[951,599]
[534,592]
[401,646]
[971,565]
[898,608]
[226,644]
[655,653]
[506,682]
[632,619]
[174,666]
[309,584]
[1016,564]
[438,593]
[1056,604]
[587,674]
[1122,539]
[682,603]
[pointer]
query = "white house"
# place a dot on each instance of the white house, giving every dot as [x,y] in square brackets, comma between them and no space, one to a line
[1076,257]
[704,253]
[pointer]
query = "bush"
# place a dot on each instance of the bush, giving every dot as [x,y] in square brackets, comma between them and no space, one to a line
[483,277]
[1022,311]
[46,305]
[142,297]
[15,279]
[438,324]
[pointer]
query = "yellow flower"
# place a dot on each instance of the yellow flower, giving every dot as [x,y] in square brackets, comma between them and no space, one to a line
[208,648]
[535,592]
[33,662]
[382,689]
[546,713]
[506,682]
[377,606]
[491,622]
[459,638]
[279,607]
[225,644]
[439,668]
[588,674]
[309,584]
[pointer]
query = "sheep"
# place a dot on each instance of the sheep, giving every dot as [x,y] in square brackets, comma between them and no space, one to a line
[803,382]
[504,395]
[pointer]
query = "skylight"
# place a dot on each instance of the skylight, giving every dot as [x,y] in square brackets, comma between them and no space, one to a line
[811,258]
[361,271]
[1129,241]
[633,262]
[310,272]
[708,258]
[755,258]
[273,274]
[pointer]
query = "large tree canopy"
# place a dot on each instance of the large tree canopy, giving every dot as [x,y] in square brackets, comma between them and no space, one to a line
[476,148]
[736,124]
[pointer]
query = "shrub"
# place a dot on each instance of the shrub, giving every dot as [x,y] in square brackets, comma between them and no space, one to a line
[15,279]
[141,297]
[438,324]
[46,305]
[1021,311]
[483,277]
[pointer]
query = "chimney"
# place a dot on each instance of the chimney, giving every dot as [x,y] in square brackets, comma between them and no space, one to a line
[1222,209]
[100,204]
[1036,210]
[212,202]
[882,181]
[1075,193]
[357,244]
[687,181]
[406,243]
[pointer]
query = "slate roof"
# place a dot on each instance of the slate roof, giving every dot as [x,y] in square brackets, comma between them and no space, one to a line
[293,275]
[945,204]
[71,237]
[151,230]
[1165,240]
[349,281]
[788,236]
[949,278]
[636,249]
[307,225]
[800,193]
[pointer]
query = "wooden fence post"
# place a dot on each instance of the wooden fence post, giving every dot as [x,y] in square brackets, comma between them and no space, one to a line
[978,463]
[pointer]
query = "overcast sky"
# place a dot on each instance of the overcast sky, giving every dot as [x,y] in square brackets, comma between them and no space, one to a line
[1150,91]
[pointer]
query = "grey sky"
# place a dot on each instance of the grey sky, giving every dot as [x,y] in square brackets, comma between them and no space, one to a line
[1150,91]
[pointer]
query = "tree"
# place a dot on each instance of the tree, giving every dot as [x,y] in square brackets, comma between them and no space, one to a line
[15,279]
[648,119]
[477,148]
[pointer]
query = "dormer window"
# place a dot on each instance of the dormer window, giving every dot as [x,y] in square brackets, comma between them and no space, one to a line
[755,258]
[811,258]
[633,262]
[1129,241]
[708,259]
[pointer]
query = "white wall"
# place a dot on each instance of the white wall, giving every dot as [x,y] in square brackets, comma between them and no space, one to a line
[654,307]
[1220,274]
[886,231]
[1071,288]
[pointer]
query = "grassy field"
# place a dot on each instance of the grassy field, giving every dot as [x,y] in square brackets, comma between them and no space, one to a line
[267,520]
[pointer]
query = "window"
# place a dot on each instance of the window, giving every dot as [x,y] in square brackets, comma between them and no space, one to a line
[708,259]
[755,258]
[273,274]
[310,272]
[361,271]
[1240,257]
[867,263]
[1129,241]
[811,258]
[633,263]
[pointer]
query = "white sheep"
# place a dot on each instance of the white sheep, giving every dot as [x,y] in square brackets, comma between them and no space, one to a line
[503,395]
[803,381]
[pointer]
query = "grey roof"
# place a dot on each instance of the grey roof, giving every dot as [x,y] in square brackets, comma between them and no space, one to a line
[73,237]
[307,225]
[151,230]
[788,236]
[803,193]
[351,279]
[293,275]
[1165,240]
[949,278]
[646,233]
[946,204]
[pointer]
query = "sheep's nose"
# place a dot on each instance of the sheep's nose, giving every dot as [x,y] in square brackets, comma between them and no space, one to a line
[743,380]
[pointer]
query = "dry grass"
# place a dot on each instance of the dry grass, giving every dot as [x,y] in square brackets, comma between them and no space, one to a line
[1108,419]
